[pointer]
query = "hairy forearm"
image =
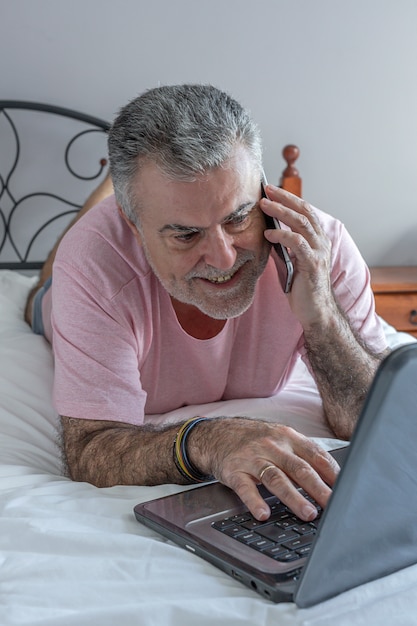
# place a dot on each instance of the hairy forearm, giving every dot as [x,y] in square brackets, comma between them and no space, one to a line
[112,453]
[343,368]
[235,450]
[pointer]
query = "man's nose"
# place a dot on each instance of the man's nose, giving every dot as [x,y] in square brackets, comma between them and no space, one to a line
[219,250]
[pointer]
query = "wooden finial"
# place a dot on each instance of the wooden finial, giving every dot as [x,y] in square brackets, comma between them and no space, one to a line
[290,179]
[290,154]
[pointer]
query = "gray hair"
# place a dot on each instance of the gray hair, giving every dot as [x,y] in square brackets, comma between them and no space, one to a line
[185,130]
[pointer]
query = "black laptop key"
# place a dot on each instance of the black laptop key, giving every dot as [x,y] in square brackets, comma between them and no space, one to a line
[279,553]
[277,534]
[253,524]
[247,537]
[235,531]
[262,544]
[223,524]
[299,542]
[305,529]
[289,522]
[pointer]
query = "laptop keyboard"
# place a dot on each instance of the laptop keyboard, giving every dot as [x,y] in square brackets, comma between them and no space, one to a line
[283,536]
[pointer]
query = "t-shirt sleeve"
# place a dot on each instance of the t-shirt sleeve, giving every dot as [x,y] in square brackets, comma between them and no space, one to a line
[351,283]
[96,353]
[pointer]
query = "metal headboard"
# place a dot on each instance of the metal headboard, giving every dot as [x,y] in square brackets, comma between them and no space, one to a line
[66,155]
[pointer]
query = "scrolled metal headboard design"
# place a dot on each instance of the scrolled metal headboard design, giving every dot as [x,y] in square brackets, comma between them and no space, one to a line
[85,126]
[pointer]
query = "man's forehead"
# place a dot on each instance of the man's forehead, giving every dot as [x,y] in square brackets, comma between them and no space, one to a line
[241,163]
[224,190]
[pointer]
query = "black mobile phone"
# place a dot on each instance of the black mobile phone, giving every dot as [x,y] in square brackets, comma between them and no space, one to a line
[287,273]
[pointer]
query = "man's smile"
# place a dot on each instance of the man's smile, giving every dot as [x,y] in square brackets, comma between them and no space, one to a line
[225,279]
[221,279]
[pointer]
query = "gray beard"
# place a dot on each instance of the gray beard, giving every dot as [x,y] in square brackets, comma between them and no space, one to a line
[227,304]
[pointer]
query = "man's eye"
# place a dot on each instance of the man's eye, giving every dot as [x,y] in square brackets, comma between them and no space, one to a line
[186,237]
[238,219]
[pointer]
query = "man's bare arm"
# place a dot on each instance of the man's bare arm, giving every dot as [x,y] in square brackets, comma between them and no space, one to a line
[107,453]
[233,450]
[343,369]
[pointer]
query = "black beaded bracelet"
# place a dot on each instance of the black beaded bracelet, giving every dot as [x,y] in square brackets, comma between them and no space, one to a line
[181,460]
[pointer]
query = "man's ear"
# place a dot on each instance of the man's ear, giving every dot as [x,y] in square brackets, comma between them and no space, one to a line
[129,222]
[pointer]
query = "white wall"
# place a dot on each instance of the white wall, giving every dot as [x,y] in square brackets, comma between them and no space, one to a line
[337,78]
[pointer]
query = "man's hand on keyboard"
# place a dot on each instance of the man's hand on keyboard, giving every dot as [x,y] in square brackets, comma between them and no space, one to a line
[242,453]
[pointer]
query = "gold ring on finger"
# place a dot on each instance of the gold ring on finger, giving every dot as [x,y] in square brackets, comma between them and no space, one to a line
[265,469]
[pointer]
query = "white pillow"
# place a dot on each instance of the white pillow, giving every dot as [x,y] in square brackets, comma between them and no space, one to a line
[28,423]
[14,288]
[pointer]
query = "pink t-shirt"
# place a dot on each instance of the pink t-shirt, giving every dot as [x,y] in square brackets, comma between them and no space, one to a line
[121,354]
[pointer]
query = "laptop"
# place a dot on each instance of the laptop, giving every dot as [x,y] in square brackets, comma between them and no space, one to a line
[368,529]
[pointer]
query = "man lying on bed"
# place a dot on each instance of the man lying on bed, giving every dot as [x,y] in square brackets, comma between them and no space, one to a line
[167,295]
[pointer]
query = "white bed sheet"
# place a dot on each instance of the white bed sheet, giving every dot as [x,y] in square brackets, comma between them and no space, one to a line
[71,553]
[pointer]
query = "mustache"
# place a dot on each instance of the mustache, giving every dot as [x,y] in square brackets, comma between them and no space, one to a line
[211,273]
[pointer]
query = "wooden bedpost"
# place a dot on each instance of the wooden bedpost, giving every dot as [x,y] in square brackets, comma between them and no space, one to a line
[290,179]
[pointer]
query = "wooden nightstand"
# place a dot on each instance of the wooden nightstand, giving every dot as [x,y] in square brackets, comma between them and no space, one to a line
[395,290]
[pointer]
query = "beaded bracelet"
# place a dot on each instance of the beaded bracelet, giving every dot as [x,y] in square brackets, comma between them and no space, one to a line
[181,460]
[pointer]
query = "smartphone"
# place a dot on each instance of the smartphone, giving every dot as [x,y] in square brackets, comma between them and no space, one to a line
[287,273]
